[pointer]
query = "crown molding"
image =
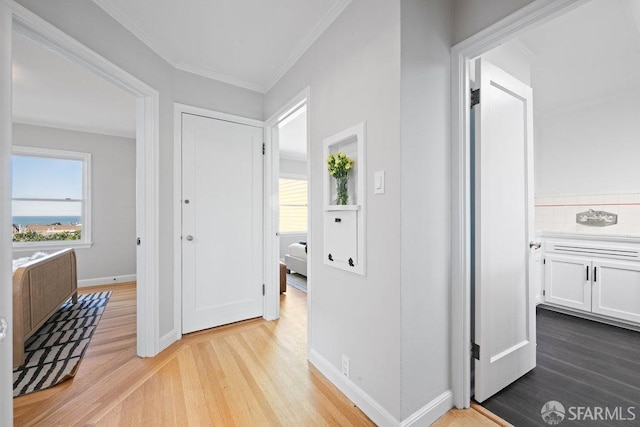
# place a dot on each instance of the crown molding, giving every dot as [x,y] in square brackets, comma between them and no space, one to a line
[306,43]
[205,72]
[41,122]
[142,35]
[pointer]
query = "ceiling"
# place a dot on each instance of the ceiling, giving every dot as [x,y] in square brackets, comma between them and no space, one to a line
[49,90]
[248,43]
[588,55]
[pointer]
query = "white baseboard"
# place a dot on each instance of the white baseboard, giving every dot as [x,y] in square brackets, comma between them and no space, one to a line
[359,397]
[106,280]
[430,412]
[425,416]
[169,338]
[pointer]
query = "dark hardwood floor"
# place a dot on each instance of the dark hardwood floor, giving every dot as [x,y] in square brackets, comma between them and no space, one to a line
[580,363]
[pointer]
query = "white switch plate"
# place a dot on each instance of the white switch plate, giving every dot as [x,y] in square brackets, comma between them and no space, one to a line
[378,183]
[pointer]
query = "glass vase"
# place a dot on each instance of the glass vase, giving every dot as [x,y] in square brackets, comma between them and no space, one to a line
[342,187]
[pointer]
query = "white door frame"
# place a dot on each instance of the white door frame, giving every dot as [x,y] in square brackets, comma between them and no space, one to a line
[271,250]
[178,110]
[147,141]
[535,13]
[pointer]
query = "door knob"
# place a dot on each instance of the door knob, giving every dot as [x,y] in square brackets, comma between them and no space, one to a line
[189,237]
[535,245]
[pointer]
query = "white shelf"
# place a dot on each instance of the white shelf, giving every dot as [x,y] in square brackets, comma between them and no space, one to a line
[341,208]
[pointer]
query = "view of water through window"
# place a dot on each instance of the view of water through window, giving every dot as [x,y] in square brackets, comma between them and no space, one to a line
[47,198]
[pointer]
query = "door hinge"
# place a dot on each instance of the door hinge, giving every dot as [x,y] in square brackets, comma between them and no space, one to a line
[264,148]
[475,97]
[475,351]
[263,289]
[544,261]
[138,241]
[544,293]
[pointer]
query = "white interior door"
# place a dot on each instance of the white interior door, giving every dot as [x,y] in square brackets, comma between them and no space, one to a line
[221,222]
[505,327]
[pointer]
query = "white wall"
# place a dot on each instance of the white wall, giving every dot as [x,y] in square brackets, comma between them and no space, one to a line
[113,196]
[6,289]
[426,201]
[353,71]
[90,25]
[592,149]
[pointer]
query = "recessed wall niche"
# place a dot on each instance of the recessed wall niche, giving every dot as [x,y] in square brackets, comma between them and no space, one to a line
[344,224]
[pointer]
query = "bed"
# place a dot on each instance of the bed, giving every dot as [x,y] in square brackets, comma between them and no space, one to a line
[40,285]
[296,258]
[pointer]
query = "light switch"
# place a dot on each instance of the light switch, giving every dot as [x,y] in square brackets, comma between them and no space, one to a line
[378,180]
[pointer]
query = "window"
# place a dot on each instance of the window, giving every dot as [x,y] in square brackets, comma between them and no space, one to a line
[50,198]
[293,205]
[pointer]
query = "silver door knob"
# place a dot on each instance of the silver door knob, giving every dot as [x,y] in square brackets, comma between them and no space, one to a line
[535,245]
[189,237]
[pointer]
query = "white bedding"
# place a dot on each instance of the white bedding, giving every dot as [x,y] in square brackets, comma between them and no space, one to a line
[297,250]
[17,263]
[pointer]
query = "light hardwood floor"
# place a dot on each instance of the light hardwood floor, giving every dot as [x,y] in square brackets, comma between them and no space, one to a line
[252,373]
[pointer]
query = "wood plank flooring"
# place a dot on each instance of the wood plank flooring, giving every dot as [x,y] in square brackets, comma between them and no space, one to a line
[579,363]
[252,373]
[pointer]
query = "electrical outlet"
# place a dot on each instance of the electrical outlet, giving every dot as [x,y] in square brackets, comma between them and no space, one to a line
[345,366]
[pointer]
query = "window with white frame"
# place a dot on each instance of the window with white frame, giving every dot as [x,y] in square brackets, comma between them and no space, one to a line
[293,205]
[50,198]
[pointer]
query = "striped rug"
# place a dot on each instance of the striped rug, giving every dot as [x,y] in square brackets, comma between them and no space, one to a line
[54,352]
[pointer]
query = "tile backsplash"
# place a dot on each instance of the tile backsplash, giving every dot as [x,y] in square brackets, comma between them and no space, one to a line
[557,214]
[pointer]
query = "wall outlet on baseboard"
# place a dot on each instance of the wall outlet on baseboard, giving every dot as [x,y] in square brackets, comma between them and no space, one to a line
[345,366]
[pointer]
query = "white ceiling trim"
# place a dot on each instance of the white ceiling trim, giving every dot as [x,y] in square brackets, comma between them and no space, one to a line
[142,35]
[205,72]
[67,126]
[306,43]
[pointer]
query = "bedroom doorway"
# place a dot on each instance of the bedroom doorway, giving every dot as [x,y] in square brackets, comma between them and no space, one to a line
[21,21]
[287,192]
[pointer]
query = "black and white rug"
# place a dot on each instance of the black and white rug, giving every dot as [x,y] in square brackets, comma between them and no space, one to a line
[54,352]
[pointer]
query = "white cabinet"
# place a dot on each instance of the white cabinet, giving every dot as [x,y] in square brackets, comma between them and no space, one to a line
[594,278]
[616,289]
[567,281]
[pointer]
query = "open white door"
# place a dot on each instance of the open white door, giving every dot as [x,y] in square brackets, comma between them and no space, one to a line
[505,323]
[221,222]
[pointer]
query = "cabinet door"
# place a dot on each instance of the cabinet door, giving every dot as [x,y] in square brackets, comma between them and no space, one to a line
[567,281]
[341,239]
[616,289]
